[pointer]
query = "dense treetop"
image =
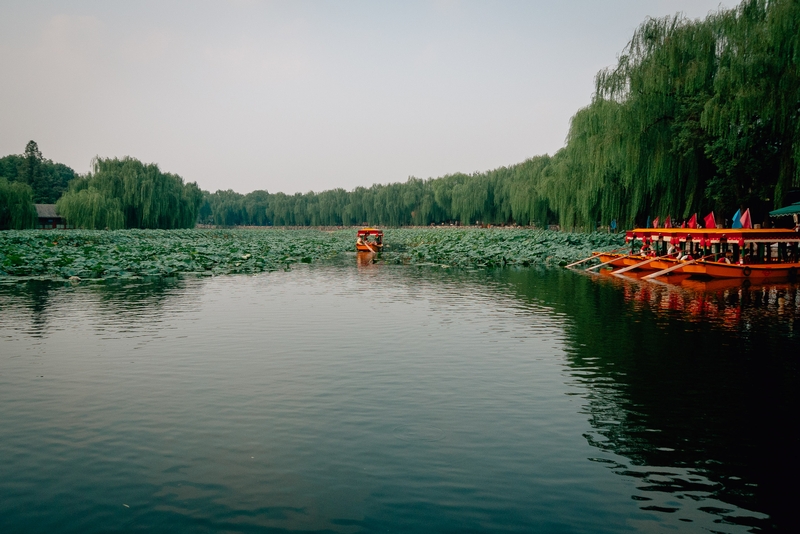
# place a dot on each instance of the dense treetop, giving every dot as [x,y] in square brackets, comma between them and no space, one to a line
[47,180]
[126,193]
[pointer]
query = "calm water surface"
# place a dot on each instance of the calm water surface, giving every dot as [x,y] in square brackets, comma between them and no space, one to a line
[344,398]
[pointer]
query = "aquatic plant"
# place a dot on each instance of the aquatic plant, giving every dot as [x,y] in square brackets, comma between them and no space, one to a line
[469,247]
[140,253]
[90,254]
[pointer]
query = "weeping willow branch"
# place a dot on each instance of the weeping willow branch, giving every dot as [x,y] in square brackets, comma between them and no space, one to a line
[129,194]
[16,206]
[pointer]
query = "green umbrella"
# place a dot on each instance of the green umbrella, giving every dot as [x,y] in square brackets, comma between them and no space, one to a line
[786,210]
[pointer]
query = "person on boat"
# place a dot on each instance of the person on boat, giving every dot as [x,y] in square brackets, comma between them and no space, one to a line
[726,258]
[672,249]
[687,256]
[359,241]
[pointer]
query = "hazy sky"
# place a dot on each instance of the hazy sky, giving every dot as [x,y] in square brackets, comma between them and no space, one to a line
[306,95]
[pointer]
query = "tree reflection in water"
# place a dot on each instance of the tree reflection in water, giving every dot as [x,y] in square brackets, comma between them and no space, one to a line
[124,304]
[695,385]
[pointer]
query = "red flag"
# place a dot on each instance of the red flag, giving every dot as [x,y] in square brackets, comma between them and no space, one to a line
[746,222]
[667,222]
[655,222]
[693,221]
[683,224]
[709,221]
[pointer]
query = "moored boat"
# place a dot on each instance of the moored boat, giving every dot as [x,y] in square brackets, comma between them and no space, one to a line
[756,254]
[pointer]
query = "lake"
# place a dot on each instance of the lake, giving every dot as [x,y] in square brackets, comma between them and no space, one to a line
[345,397]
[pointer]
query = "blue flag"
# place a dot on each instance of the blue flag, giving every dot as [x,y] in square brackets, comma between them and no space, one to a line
[737,219]
[613,224]
[648,222]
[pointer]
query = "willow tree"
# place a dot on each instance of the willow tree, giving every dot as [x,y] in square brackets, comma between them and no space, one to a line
[146,197]
[16,206]
[526,196]
[755,109]
[646,142]
[706,115]
[90,208]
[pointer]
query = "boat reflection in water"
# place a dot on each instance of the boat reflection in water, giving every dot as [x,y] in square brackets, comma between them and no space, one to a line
[366,259]
[690,388]
[731,303]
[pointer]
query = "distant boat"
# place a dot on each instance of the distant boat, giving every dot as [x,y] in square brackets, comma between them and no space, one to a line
[756,254]
[369,240]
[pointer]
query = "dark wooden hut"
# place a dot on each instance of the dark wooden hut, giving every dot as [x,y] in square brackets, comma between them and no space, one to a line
[48,218]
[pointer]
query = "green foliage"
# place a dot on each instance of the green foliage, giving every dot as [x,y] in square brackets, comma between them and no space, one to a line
[470,247]
[16,206]
[493,197]
[129,194]
[89,208]
[47,180]
[698,115]
[93,254]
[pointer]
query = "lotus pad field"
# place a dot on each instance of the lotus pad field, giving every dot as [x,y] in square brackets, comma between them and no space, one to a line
[468,247]
[127,253]
[32,254]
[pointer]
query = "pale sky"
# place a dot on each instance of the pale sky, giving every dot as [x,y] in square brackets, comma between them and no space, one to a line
[307,95]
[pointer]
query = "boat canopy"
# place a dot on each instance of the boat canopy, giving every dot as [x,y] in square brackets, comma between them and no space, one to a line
[785,211]
[370,231]
[708,236]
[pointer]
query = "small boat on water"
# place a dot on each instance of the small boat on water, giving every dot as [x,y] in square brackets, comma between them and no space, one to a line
[369,240]
[754,254]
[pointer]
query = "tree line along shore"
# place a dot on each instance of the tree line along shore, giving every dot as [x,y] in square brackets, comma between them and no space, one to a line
[697,115]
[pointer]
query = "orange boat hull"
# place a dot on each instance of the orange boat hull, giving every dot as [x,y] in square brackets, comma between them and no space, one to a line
[755,273]
[660,265]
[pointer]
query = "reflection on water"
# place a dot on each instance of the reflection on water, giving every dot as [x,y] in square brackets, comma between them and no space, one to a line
[365,259]
[726,303]
[363,396]
[694,385]
[48,305]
